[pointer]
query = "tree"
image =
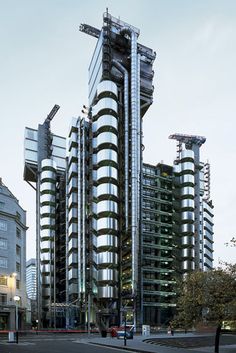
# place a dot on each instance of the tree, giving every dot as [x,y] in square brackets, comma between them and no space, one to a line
[232,242]
[206,296]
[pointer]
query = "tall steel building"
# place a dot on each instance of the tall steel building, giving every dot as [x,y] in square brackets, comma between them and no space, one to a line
[45,164]
[195,221]
[108,242]
[177,227]
[104,175]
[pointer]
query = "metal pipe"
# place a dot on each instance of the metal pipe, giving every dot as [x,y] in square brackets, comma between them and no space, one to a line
[83,205]
[39,287]
[134,157]
[123,70]
[139,133]
[54,280]
[79,208]
[134,171]
[67,267]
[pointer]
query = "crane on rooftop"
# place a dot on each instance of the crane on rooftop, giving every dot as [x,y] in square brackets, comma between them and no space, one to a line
[51,114]
[189,140]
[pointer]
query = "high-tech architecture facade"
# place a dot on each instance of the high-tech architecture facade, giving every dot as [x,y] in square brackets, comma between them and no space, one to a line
[104,175]
[45,164]
[158,242]
[113,233]
[12,260]
[194,223]
[177,227]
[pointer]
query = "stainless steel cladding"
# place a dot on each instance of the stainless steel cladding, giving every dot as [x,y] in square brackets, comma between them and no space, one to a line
[47,228]
[106,86]
[122,69]
[187,191]
[105,104]
[187,265]
[106,120]
[207,234]
[107,206]
[187,154]
[108,138]
[107,257]
[107,223]
[107,241]
[106,155]
[105,189]
[187,179]
[107,172]
[107,275]
[187,216]
[188,252]
[107,292]
[135,160]
[187,203]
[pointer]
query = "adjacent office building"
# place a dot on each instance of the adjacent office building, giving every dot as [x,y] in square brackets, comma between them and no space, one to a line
[31,279]
[12,260]
[31,289]
[112,232]
[177,227]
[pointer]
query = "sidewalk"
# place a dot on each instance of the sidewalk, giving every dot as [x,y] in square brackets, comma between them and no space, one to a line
[137,345]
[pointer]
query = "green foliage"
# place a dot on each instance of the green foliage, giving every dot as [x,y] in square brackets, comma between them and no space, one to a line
[232,242]
[206,296]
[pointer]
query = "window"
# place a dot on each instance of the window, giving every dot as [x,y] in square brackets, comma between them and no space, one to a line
[17,284]
[18,250]
[3,243]
[3,281]
[2,205]
[3,262]
[3,298]
[18,267]
[18,233]
[18,216]
[3,225]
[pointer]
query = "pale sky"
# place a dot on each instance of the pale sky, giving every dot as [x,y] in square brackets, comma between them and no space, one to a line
[44,61]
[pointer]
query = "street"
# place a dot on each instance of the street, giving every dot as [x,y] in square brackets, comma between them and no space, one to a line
[81,343]
[52,345]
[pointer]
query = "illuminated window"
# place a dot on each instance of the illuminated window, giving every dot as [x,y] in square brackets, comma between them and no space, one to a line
[3,281]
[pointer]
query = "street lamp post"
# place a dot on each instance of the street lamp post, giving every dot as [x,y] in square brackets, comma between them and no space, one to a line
[16,300]
[89,312]
[37,326]
[125,328]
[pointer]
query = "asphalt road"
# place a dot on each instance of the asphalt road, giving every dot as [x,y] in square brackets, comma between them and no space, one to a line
[46,345]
